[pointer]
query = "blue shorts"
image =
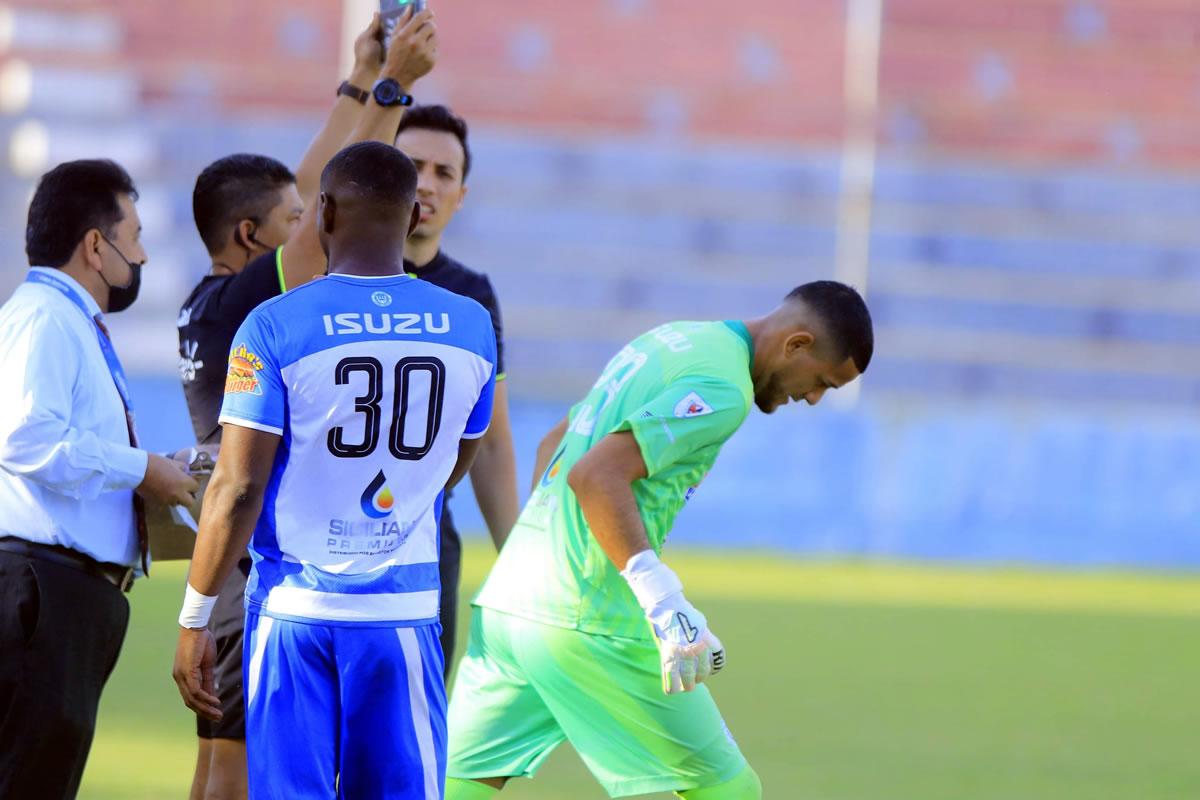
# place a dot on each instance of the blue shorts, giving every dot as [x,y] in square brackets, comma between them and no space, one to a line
[343,712]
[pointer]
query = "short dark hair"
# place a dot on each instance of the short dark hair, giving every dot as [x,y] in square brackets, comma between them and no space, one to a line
[70,200]
[845,316]
[377,172]
[234,188]
[439,118]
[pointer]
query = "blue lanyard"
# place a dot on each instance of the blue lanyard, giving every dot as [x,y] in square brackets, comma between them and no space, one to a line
[110,355]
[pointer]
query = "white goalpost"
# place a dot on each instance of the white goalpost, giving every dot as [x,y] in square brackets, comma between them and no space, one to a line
[864,27]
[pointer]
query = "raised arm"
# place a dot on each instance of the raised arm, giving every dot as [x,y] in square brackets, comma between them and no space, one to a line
[410,57]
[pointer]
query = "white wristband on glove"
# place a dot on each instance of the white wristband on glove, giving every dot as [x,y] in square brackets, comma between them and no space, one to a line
[197,608]
[688,650]
[651,580]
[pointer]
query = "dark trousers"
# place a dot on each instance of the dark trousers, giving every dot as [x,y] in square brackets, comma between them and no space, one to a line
[450,570]
[60,633]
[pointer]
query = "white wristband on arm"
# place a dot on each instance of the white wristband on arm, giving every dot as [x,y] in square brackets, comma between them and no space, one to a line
[197,608]
[651,580]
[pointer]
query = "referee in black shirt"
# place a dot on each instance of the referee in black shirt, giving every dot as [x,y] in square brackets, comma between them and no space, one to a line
[436,141]
[258,222]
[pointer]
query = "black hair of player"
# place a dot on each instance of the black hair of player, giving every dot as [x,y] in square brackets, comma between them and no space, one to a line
[439,118]
[234,188]
[70,200]
[845,317]
[372,171]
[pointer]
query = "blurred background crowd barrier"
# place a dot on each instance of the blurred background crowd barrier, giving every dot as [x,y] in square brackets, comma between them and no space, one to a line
[1014,183]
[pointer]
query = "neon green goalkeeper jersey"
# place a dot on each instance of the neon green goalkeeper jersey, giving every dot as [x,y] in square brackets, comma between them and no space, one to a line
[682,390]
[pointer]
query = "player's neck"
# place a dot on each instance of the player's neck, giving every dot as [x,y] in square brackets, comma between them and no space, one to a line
[367,259]
[421,250]
[222,267]
[758,330]
[230,261]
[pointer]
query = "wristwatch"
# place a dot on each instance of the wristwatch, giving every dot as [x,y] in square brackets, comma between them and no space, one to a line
[387,92]
[350,90]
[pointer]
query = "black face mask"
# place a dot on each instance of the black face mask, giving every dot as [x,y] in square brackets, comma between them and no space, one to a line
[122,297]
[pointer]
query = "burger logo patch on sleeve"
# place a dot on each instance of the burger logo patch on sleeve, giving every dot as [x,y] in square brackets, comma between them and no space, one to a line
[692,406]
[242,377]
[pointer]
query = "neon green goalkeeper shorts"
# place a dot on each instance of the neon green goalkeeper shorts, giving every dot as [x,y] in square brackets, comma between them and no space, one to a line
[524,687]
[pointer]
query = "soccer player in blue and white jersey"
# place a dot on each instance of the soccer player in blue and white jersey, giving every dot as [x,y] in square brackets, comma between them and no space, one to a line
[351,404]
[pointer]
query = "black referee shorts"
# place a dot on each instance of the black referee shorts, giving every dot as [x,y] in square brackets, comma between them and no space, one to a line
[450,569]
[228,623]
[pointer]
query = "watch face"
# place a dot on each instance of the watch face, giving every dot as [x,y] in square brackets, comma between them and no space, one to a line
[386,92]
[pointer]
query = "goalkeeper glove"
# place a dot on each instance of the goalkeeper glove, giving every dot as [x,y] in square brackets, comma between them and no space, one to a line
[688,650]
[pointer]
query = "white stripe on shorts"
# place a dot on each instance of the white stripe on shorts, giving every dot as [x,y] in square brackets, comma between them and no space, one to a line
[417,701]
[295,601]
[262,632]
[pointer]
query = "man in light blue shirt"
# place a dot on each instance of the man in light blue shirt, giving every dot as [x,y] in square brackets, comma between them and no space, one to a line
[72,479]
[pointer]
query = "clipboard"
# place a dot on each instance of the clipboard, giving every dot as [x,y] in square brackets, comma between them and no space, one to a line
[172,529]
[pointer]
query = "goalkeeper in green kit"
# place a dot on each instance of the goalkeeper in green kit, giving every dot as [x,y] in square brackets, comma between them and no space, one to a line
[580,632]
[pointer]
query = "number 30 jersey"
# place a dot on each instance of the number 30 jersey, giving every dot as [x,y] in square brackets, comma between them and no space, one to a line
[370,383]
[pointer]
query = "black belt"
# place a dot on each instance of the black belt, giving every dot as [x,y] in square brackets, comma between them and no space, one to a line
[118,576]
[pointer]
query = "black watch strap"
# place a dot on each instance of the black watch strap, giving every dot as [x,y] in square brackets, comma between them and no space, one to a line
[350,90]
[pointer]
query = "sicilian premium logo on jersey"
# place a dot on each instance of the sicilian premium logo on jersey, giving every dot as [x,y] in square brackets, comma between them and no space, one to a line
[692,406]
[554,468]
[242,377]
[377,500]
[379,535]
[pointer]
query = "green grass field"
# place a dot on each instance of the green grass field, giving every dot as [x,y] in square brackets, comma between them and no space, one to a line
[846,682]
